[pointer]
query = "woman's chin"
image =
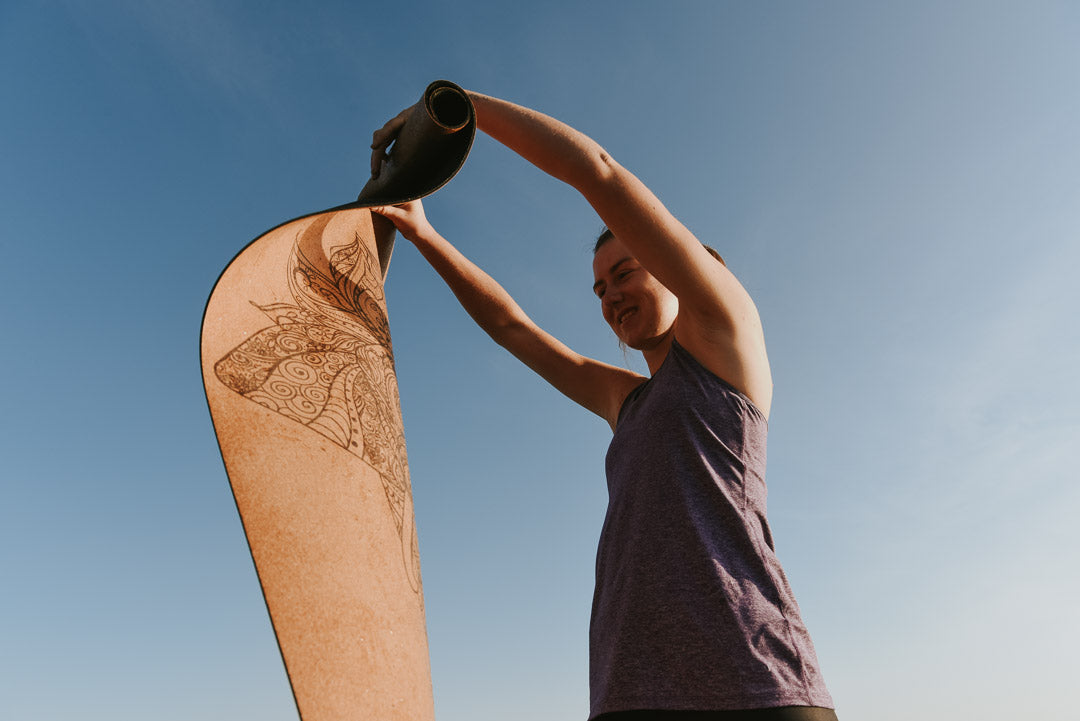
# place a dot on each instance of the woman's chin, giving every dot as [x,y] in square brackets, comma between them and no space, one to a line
[645,342]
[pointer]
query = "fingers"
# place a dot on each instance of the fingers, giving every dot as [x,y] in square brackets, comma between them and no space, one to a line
[394,212]
[408,218]
[378,157]
[379,140]
[387,211]
[382,138]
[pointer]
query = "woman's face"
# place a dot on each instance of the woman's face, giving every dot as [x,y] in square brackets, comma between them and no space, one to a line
[637,307]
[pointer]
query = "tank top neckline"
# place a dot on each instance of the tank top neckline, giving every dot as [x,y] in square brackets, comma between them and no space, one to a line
[639,388]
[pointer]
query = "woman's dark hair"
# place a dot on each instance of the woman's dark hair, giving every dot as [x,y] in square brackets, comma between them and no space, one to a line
[606,235]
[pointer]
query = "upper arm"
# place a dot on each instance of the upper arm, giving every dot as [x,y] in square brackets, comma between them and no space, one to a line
[718,321]
[661,243]
[597,386]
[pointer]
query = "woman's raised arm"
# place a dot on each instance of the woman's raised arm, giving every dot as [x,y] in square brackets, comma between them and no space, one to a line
[597,386]
[661,243]
[718,321]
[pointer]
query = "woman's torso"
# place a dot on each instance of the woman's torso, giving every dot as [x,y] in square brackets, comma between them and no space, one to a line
[692,609]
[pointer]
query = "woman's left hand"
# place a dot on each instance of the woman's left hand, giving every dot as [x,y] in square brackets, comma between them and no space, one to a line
[382,138]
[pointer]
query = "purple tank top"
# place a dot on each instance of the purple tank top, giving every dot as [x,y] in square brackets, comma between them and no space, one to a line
[692,610]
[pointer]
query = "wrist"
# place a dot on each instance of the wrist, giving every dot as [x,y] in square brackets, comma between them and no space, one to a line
[424,234]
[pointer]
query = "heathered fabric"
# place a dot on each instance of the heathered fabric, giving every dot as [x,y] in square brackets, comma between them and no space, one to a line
[692,610]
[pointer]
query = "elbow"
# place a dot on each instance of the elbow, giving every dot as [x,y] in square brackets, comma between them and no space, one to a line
[590,170]
[601,169]
[498,332]
[505,329]
[508,330]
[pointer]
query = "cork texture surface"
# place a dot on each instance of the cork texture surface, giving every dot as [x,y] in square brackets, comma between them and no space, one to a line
[299,375]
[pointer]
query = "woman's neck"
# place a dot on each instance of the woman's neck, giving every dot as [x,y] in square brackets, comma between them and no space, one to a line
[655,355]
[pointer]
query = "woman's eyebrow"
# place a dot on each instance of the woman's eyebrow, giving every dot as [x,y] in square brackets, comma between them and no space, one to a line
[619,262]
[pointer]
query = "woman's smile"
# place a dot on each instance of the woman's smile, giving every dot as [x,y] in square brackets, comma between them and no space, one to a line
[636,306]
[624,315]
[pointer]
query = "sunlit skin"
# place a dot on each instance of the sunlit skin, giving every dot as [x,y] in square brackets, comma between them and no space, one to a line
[685,292]
[637,307]
[656,283]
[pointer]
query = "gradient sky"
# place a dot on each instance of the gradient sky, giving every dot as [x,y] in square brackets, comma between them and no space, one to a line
[896,184]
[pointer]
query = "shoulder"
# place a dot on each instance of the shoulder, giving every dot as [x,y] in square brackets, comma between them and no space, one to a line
[729,341]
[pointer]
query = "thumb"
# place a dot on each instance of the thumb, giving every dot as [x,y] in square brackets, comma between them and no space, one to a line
[386,210]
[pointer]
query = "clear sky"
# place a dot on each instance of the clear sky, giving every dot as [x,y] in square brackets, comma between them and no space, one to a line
[897,185]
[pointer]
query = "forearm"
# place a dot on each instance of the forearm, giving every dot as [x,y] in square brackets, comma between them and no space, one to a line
[487,302]
[549,144]
[629,209]
[596,386]
[622,201]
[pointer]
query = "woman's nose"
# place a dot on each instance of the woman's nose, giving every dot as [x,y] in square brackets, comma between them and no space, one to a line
[612,296]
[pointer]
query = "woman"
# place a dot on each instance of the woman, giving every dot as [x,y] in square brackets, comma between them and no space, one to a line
[692,615]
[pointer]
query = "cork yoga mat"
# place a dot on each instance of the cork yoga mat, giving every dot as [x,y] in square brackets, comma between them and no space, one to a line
[298,368]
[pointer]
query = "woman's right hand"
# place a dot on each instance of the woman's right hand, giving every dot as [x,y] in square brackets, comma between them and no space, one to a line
[408,218]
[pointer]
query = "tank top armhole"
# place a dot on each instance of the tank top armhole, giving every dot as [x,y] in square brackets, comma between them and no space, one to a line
[742,396]
[634,393]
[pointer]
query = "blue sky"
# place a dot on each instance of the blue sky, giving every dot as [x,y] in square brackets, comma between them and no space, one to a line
[895,183]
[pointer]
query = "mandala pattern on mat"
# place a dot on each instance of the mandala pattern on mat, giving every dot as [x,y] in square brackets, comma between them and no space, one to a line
[326,361]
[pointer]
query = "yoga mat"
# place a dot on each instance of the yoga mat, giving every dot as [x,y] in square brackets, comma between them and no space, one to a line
[298,368]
